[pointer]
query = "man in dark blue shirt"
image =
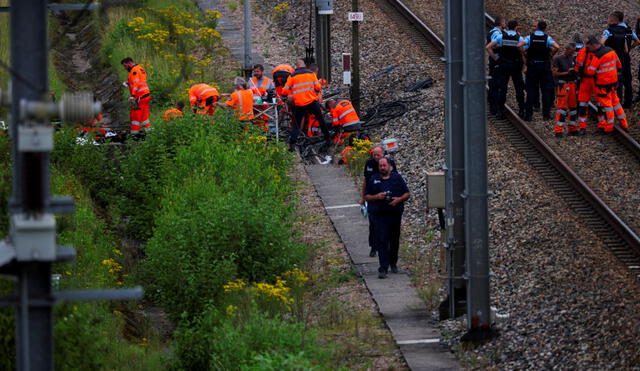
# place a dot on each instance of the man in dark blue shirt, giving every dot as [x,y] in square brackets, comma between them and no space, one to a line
[386,193]
[371,168]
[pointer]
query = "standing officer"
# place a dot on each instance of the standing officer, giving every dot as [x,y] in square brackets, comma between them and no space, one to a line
[140,96]
[304,87]
[509,65]
[386,193]
[564,74]
[606,65]
[494,90]
[621,38]
[371,168]
[539,48]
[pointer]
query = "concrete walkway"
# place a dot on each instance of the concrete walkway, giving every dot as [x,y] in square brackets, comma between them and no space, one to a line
[232,34]
[403,311]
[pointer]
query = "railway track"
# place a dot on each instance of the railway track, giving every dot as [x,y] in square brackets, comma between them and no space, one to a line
[623,242]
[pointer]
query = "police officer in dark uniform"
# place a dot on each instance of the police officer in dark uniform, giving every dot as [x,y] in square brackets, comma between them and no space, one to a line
[621,38]
[494,90]
[509,64]
[371,168]
[386,193]
[539,49]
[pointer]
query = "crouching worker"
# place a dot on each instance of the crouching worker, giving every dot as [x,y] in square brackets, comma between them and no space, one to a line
[386,193]
[174,112]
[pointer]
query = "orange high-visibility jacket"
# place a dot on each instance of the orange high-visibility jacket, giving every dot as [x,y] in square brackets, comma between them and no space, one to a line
[304,86]
[171,113]
[605,65]
[199,93]
[242,103]
[137,82]
[262,85]
[584,59]
[343,114]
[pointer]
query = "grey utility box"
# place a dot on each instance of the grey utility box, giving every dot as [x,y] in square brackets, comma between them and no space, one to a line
[436,190]
[34,238]
[324,6]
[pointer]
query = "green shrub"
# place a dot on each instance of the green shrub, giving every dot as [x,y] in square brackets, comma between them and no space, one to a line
[224,215]
[220,341]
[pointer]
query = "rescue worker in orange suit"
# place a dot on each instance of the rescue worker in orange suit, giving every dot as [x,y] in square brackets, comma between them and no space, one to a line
[564,74]
[303,86]
[606,65]
[140,96]
[202,98]
[343,117]
[240,101]
[263,87]
[621,38]
[174,111]
[586,89]
[280,76]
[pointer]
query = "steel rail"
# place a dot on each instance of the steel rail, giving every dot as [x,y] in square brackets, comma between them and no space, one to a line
[623,231]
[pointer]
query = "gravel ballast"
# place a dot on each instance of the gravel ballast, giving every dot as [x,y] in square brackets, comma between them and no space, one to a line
[570,304]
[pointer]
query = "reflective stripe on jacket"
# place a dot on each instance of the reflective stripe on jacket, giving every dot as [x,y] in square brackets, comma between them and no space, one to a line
[605,66]
[263,85]
[171,113]
[304,86]
[199,93]
[242,103]
[343,114]
[137,82]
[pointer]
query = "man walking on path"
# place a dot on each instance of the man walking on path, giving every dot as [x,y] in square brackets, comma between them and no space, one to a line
[371,168]
[386,193]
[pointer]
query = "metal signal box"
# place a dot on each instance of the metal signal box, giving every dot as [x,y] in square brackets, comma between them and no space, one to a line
[436,189]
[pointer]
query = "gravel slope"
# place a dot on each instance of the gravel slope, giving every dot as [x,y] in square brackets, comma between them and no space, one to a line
[570,304]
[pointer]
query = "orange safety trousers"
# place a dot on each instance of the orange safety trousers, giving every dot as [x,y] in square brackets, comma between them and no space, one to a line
[587,89]
[139,116]
[610,104]
[566,106]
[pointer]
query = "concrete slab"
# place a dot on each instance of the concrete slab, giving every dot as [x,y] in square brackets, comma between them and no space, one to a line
[232,35]
[397,300]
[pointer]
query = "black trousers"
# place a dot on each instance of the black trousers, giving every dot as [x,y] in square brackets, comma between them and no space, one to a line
[494,89]
[387,238]
[372,236]
[625,83]
[539,80]
[299,112]
[513,71]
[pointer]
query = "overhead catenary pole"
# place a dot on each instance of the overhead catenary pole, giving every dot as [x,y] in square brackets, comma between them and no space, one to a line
[475,143]
[324,9]
[355,59]
[34,324]
[248,62]
[454,135]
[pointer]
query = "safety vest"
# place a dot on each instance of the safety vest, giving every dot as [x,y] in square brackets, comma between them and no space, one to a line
[343,114]
[199,93]
[304,87]
[280,76]
[171,113]
[137,82]
[538,50]
[242,103]
[620,37]
[605,65]
[509,50]
[262,85]
[584,58]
